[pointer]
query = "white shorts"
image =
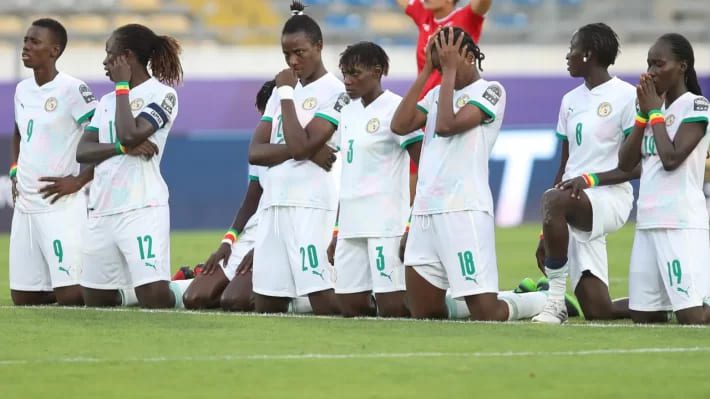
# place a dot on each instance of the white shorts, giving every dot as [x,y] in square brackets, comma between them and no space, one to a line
[290,254]
[670,269]
[45,248]
[128,249]
[368,264]
[611,207]
[240,248]
[454,250]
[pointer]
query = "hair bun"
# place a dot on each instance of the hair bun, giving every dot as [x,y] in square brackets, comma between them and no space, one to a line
[296,12]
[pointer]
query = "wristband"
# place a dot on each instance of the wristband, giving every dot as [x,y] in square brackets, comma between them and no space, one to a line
[13,170]
[408,225]
[122,88]
[641,119]
[120,148]
[230,236]
[285,93]
[591,179]
[656,116]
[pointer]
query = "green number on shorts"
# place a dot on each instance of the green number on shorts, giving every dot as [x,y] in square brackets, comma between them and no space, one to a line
[674,270]
[148,240]
[312,257]
[649,145]
[468,267]
[58,251]
[279,130]
[578,134]
[110,132]
[380,261]
[30,127]
[350,151]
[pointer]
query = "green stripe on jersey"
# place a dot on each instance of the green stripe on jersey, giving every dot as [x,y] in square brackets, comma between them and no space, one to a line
[694,119]
[628,131]
[267,119]
[253,178]
[424,110]
[491,115]
[326,117]
[92,129]
[411,141]
[561,136]
[86,116]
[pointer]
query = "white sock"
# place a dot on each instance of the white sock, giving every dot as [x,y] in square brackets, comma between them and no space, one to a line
[458,309]
[300,305]
[128,297]
[525,305]
[178,287]
[558,282]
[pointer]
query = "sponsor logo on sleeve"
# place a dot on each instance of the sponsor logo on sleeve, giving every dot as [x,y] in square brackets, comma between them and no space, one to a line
[86,94]
[492,94]
[342,101]
[169,103]
[701,104]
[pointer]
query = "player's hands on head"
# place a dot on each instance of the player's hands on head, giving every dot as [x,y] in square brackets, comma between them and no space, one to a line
[325,157]
[287,77]
[575,185]
[331,250]
[428,64]
[58,187]
[540,256]
[449,49]
[403,246]
[247,263]
[119,70]
[647,95]
[221,255]
[146,149]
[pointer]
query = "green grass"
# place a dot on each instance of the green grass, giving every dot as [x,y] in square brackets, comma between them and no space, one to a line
[79,353]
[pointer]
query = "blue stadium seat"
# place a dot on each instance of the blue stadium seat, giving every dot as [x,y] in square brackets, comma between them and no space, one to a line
[572,3]
[360,3]
[516,20]
[318,2]
[344,21]
[527,3]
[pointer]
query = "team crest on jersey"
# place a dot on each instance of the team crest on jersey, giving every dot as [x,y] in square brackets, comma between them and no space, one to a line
[137,104]
[701,104]
[309,103]
[169,103]
[373,125]
[461,101]
[492,94]
[51,104]
[604,109]
[86,94]
[342,101]
[670,119]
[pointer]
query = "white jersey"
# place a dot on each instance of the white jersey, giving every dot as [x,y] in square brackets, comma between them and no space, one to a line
[302,183]
[123,182]
[257,174]
[374,189]
[50,119]
[453,171]
[674,199]
[594,123]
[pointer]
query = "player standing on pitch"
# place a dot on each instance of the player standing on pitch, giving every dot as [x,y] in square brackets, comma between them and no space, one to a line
[49,219]
[591,197]
[452,238]
[300,198]
[669,260]
[374,194]
[128,243]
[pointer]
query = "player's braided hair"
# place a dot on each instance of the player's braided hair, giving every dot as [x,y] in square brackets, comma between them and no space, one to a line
[683,51]
[57,29]
[601,40]
[162,52]
[262,97]
[366,54]
[299,22]
[468,43]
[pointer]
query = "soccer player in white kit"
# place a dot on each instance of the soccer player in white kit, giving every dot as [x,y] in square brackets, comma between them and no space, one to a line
[51,109]
[300,198]
[374,190]
[452,240]
[591,197]
[670,259]
[128,242]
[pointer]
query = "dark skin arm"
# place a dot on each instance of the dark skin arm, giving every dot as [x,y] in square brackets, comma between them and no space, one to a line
[630,153]
[15,155]
[61,186]
[91,151]
[415,150]
[263,153]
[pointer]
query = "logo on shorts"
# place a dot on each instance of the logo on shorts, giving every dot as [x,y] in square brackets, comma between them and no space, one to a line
[389,276]
[373,125]
[604,109]
[683,291]
[65,270]
[151,265]
[319,273]
[461,101]
[137,104]
[670,119]
[309,103]
[51,104]
[468,278]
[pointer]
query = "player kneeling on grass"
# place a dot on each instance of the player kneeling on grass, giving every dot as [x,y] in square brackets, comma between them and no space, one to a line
[374,193]
[451,242]
[300,197]
[128,242]
[49,218]
[591,197]
[669,260]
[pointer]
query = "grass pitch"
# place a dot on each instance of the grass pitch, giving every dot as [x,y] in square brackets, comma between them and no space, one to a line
[125,353]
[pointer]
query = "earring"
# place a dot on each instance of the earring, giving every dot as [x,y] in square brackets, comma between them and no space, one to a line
[584,59]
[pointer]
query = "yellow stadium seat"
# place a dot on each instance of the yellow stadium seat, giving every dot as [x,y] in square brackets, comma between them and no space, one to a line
[88,24]
[11,25]
[173,24]
[125,19]
[385,23]
[142,5]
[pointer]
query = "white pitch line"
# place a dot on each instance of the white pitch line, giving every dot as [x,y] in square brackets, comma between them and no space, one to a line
[373,319]
[349,356]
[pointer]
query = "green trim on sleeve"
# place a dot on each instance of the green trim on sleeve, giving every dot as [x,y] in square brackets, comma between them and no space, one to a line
[92,129]
[628,131]
[488,112]
[422,109]
[86,116]
[561,136]
[328,118]
[411,141]
[267,119]
[253,178]
[694,119]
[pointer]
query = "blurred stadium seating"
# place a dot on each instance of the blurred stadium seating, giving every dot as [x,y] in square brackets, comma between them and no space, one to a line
[258,22]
